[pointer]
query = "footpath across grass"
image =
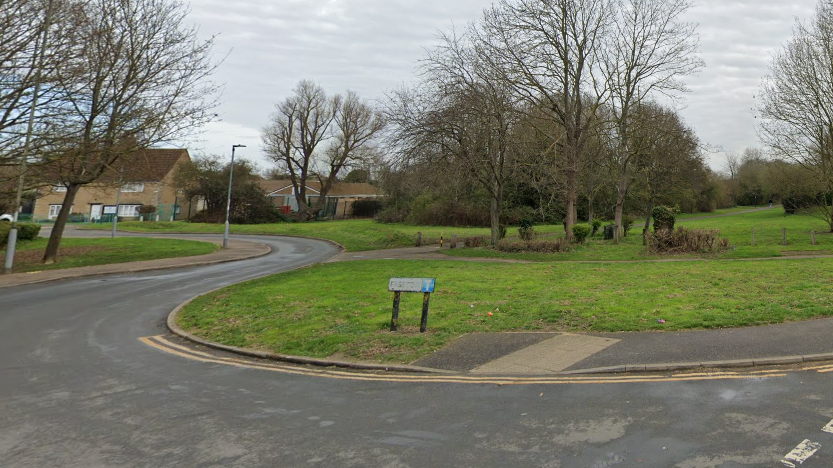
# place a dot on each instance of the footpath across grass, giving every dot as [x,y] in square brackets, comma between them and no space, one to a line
[343,309]
[88,252]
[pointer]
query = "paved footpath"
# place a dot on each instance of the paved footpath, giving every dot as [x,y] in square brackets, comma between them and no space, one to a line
[545,353]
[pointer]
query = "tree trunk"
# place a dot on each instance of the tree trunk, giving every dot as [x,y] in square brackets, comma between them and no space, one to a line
[494,220]
[51,253]
[572,189]
[590,209]
[650,212]
[622,190]
[494,211]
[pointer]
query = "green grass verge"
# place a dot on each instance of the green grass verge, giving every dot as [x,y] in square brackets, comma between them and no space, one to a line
[768,225]
[359,235]
[343,309]
[88,252]
[354,235]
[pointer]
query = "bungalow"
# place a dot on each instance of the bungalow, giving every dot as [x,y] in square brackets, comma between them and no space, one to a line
[144,178]
[340,198]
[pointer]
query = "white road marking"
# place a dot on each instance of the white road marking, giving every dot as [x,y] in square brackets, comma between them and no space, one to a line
[828,428]
[801,453]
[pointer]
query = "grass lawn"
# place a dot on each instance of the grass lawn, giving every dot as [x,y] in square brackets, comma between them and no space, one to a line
[343,309]
[723,211]
[359,235]
[767,223]
[87,252]
[354,235]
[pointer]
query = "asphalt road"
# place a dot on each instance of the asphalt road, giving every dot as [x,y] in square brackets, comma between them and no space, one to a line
[78,389]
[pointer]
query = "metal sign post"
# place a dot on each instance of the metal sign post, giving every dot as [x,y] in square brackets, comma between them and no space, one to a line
[400,285]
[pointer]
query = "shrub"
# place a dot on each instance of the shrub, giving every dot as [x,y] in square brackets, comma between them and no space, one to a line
[4,233]
[597,223]
[366,208]
[147,209]
[28,231]
[537,246]
[474,241]
[664,218]
[392,214]
[795,203]
[609,231]
[25,231]
[501,231]
[681,241]
[580,232]
[526,232]
[627,224]
[427,211]
[517,214]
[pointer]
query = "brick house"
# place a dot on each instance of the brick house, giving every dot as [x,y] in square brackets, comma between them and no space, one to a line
[340,198]
[147,179]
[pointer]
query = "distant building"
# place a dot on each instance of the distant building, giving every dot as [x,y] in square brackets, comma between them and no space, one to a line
[340,198]
[144,178]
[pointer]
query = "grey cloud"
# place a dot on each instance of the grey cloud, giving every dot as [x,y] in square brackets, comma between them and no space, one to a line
[371,46]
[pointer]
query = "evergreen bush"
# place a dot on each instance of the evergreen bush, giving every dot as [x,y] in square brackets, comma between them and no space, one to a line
[580,232]
[664,218]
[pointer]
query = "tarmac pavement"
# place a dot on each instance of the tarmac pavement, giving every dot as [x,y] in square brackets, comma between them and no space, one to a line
[538,353]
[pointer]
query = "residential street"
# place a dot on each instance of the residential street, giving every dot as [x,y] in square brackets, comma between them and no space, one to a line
[79,389]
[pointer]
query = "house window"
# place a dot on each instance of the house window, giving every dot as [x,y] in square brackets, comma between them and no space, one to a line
[54,210]
[135,188]
[59,188]
[129,210]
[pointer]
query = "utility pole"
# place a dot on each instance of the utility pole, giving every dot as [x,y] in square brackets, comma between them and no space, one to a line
[40,51]
[228,200]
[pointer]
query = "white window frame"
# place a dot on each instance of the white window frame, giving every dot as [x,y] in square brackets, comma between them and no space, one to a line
[54,210]
[129,211]
[137,187]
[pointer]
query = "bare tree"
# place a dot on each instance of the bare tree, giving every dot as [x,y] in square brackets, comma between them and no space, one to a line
[649,50]
[546,50]
[303,123]
[732,167]
[21,40]
[461,116]
[669,153]
[796,103]
[137,76]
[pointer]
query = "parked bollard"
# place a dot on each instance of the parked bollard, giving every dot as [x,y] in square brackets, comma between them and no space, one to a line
[783,236]
[419,239]
[753,237]
[453,244]
[813,237]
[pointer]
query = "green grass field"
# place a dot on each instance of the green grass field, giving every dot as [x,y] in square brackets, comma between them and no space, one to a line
[361,235]
[354,235]
[343,309]
[88,252]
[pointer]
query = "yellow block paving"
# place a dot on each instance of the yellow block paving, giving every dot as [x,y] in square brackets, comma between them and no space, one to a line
[547,357]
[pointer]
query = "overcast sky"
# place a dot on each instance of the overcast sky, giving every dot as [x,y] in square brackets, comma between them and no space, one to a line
[371,46]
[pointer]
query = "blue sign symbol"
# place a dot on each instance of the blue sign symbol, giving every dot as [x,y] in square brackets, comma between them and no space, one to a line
[428,285]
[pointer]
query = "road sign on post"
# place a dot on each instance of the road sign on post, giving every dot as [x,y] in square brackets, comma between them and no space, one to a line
[400,285]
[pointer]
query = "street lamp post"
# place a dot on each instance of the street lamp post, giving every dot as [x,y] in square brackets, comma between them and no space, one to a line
[228,200]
